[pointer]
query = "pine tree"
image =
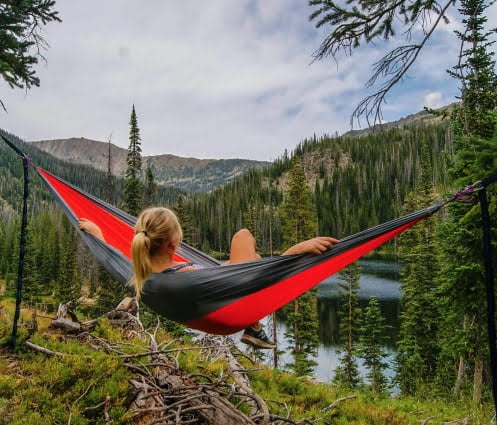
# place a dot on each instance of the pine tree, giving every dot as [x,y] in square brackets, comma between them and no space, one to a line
[349,314]
[133,186]
[461,296]
[20,36]
[300,223]
[372,341]
[109,291]
[476,73]
[32,285]
[150,192]
[298,211]
[68,285]
[417,347]
[184,219]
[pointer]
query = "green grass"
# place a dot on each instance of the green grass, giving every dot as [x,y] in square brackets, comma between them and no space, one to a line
[38,389]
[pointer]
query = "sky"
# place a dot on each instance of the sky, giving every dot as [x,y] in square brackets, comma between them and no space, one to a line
[209,79]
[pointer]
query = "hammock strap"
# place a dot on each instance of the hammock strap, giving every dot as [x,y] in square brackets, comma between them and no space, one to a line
[489,284]
[22,244]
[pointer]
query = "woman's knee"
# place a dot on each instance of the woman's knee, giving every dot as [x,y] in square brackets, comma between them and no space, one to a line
[243,234]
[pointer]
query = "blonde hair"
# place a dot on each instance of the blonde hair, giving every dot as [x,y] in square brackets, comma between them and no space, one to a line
[154,227]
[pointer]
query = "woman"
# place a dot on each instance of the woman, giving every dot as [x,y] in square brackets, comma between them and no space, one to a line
[157,237]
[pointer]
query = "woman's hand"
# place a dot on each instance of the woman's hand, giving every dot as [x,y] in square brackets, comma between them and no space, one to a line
[91,228]
[312,246]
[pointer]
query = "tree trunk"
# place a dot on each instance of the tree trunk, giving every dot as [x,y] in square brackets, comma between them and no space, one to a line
[296,326]
[460,376]
[478,379]
[275,340]
[460,370]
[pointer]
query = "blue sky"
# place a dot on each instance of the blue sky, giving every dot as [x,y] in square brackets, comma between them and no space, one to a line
[215,79]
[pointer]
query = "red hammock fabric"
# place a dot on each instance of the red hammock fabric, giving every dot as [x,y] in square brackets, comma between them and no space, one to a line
[219,300]
[116,232]
[243,312]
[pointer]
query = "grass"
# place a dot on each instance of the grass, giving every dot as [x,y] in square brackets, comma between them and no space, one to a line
[38,389]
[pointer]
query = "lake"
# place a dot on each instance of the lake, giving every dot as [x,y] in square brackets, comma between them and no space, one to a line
[379,279]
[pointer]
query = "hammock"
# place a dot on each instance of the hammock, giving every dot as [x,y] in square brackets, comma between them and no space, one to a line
[219,300]
[227,299]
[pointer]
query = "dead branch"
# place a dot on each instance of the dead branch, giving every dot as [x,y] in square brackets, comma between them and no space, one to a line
[337,402]
[162,392]
[172,350]
[107,407]
[463,421]
[236,371]
[65,325]
[71,408]
[43,350]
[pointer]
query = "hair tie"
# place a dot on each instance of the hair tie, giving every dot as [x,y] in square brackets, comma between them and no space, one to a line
[144,232]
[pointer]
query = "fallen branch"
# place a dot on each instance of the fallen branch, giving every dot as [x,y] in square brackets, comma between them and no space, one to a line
[172,350]
[43,350]
[337,402]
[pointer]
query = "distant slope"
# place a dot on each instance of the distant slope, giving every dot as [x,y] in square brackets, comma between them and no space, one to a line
[89,179]
[190,174]
[421,117]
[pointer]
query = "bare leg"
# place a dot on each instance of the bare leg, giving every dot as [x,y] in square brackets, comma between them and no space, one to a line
[243,248]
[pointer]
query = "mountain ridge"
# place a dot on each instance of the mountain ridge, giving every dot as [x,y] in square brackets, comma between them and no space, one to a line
[186,173]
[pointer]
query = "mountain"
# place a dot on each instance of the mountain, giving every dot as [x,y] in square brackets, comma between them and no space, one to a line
[189,174]
[84,176]
[421,117]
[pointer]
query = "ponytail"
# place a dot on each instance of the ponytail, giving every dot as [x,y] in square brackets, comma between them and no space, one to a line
[154,227]
[142,266]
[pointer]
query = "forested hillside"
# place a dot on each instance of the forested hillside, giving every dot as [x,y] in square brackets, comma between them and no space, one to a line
[357,182]
[84,176]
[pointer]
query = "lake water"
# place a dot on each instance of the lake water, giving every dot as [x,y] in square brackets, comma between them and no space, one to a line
[379,279]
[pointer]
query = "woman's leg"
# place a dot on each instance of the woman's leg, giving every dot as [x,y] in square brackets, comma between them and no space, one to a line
[243,248]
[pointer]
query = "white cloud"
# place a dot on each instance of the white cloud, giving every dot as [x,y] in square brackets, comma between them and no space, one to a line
[209,79]
[434,100]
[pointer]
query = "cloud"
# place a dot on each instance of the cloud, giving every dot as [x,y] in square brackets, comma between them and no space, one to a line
[209,79]
[434,100]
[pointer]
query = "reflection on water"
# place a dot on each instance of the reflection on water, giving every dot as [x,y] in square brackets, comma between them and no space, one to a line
[379,279]
[328,321]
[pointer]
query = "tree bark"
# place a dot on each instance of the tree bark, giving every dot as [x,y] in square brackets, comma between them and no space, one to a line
[478,379]
[460,376]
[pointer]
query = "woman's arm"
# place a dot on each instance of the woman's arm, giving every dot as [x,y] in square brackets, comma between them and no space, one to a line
[312,246]
[91,228]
